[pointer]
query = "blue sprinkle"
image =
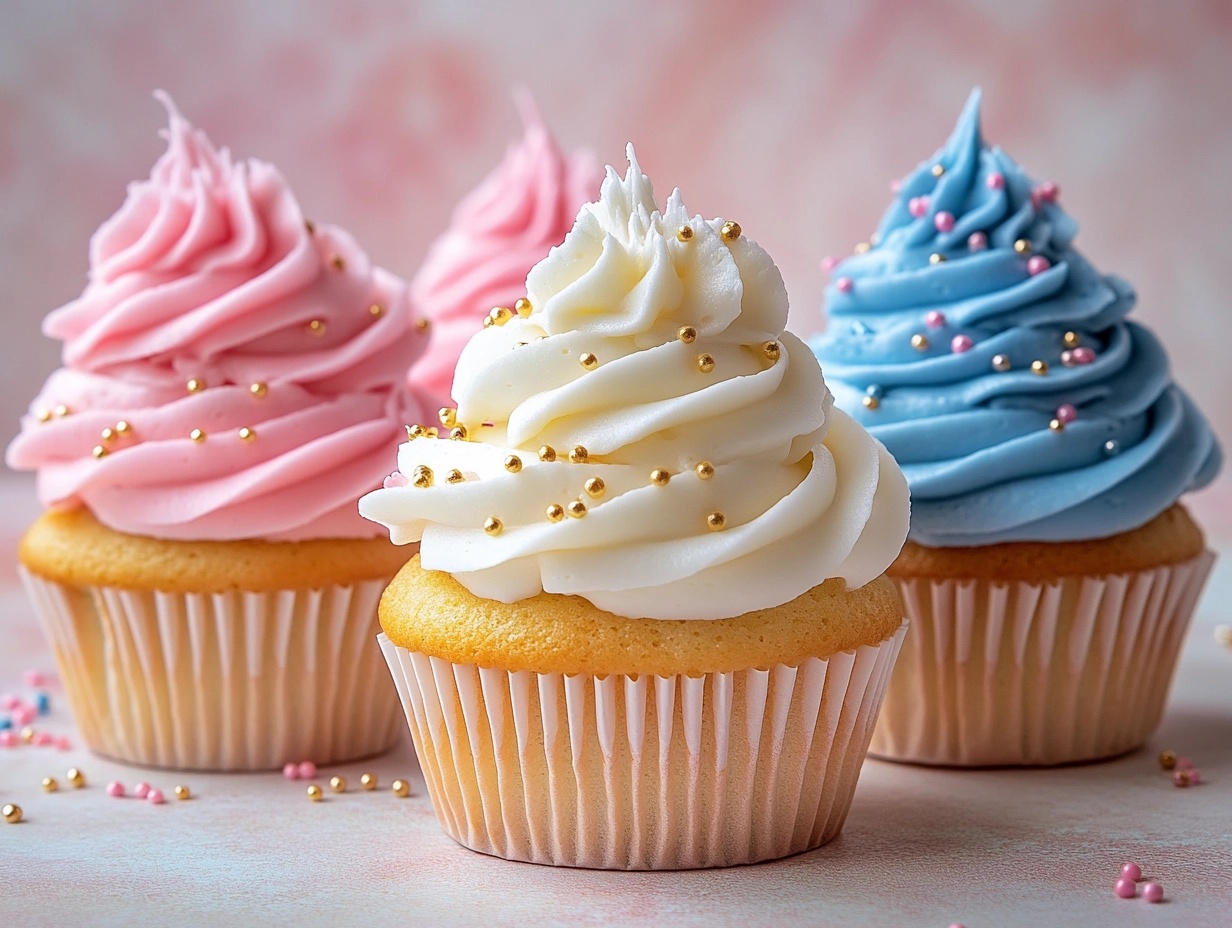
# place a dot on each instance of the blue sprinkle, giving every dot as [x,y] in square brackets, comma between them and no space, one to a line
[6,723]
[42,702]
[874,390]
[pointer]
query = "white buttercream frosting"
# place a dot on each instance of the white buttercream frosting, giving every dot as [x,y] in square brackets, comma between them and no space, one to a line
[805,493]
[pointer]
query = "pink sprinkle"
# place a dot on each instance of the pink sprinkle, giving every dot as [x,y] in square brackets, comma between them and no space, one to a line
[1181,778]
[1037,264]
[141,790]
[155,797]
[115,789]
[844,284]
[958,925]
[1125,888]
[1067,358]
[961,343]
[1083,355]
[307,770]
[896,186]
[35,678]
[63,743]
[24,715]
[829,263]
[918,206]
[977,241]
[1067,412]
[944,221]
[44,738]
[1048,191]
[291,771]
[1131,872]
[9,701]
[396,479]
[1152,892]
[934,318]
[995,181]
[8,739]
[1184,763]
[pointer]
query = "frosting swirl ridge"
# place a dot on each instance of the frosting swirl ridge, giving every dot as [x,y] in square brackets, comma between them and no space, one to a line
[998,365]
[648,437]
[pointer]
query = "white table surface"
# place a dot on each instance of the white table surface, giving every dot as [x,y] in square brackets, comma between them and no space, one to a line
[921,847]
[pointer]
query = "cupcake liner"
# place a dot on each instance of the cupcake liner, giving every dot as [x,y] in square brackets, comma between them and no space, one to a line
[1017,673]
[642,772]
[221,681]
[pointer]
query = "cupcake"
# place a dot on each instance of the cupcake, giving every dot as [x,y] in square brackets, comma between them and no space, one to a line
[648,627]
[232,378]
[499,231]
[1051,572]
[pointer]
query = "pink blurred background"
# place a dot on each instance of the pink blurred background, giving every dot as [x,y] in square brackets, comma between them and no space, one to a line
[790,117]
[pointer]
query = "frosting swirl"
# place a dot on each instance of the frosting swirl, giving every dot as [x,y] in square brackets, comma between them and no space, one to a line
[497,234]
[998,365]
[230,371]
[647,437]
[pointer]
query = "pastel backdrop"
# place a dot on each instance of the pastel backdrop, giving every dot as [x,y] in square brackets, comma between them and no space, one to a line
[791,117]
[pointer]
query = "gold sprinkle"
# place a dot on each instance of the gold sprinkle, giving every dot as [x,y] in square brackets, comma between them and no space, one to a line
[338,784]
[107,434]
[248,434]
[1167,760]
[376,310]
[27,735]
[660,477]
[61,411]
[579,455]
[1223,634]
[595,487]
[44,415]
[50,785]
[716,521]
[501,314]
[493,525]
[730,231]
[316,327]
[575,508]
[1071,339]
[919,342]
[520,344]
[513,464]
[1023,246]
[454,476]
[705,363]
[1001,362]
[448,416]
[1039,367]
[871,402]
[400,788]
[195,385]
[415,431]
[314,793]
[772,350]
[368,781]
[11,813]
[704,470]
[547,454]
[76,778]
[458,433]
[197,435]
[522,307]
[687,334]
[555,512]
[100,451]
[588,361]
[338,262]
[487,322]
[1057,425]
[431,432]
[183,793]
[862,247]
[259,389]
[422,477]
[938,170]
[684,233]
[310,226]
[423,324]
[122,427]
[936,258]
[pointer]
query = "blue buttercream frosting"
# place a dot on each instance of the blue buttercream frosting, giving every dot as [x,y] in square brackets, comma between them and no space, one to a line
[998,366]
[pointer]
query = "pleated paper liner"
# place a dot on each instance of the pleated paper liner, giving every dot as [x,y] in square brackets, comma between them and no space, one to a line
[1016,673]
[222,681]
[646,772]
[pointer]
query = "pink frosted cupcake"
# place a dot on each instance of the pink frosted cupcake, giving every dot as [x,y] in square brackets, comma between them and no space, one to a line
[502,229]
[233,377]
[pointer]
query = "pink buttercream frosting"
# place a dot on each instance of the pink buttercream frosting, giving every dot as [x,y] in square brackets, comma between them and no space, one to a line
[258,363]
[502,229]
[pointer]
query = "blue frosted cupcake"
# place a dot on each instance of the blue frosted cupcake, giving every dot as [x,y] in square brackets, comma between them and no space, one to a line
[1051,572]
